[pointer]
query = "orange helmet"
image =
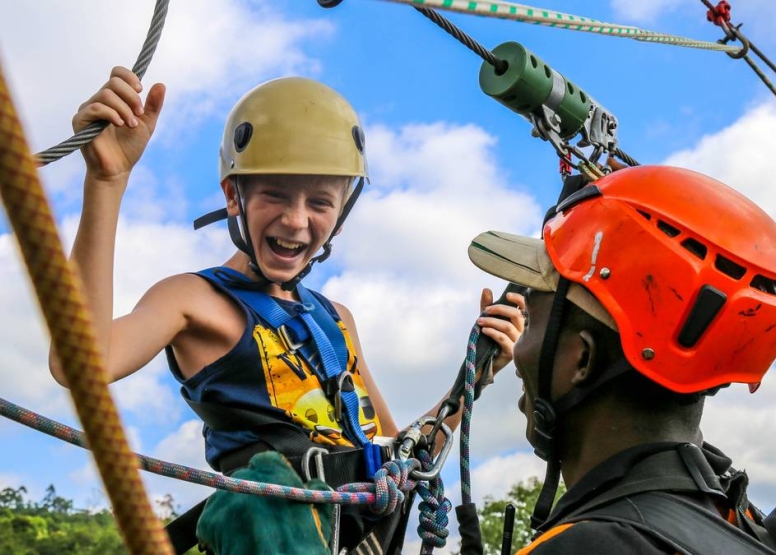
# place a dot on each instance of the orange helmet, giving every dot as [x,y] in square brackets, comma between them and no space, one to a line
[684,264]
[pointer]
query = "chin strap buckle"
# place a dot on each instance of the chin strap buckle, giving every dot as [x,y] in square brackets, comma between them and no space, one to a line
[545,420]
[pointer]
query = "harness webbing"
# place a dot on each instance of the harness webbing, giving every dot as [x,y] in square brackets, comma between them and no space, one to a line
[322,345]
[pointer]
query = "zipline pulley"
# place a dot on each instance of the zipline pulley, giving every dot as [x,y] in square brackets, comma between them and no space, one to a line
[556,107]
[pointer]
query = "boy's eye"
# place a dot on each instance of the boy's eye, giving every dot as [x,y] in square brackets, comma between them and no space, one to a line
[322,203]
[272,194]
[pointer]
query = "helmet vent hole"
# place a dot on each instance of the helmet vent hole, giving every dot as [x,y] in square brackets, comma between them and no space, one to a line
[668,229]
[647,215]
[729,268]
[696,248]
[764,284]
[242,136]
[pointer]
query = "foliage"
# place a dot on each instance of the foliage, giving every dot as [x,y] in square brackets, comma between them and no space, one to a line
[53,527]
[523,497]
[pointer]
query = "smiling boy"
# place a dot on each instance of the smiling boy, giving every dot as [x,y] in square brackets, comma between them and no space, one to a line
[267,364]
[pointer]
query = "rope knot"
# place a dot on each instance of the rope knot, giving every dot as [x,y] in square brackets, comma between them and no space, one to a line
[392,481]
[433,510]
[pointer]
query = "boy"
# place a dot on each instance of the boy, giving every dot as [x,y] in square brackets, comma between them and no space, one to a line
[291,165]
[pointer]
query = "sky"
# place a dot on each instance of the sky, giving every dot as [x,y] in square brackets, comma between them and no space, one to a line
[446,163]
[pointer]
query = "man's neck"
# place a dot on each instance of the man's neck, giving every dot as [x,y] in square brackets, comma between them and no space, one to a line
[600,432]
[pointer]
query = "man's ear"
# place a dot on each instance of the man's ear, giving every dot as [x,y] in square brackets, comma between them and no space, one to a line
[339,230]
[586,365]
[230,195]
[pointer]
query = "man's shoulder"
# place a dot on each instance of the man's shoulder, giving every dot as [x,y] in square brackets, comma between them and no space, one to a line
[599,537]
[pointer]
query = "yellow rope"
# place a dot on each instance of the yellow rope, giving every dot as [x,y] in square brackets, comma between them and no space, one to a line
[60,295]
[590,171]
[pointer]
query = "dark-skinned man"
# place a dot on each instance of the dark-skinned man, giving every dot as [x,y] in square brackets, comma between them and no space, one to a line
[650,289]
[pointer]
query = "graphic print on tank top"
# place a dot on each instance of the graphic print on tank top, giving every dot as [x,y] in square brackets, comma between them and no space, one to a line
[294,388]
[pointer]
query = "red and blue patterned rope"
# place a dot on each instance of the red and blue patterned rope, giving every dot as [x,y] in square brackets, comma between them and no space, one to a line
[391,482]
[466,419]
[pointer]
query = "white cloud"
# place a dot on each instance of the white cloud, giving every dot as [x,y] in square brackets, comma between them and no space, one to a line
[24,348]
[208,51]
[407,279]
[184,446]
[10,480]
[636,12]
[737,155]
[495,477]
[145,395]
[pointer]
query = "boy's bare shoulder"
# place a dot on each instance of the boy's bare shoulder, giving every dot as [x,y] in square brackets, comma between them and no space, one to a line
[188,292]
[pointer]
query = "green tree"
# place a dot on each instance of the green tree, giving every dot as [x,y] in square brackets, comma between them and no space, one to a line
[12,498]
[522,496]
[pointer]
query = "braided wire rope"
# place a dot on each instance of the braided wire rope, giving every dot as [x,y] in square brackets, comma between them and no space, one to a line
[732,32]
[463,38]
[527,14]
[85,135]
[622,155]
[59,292]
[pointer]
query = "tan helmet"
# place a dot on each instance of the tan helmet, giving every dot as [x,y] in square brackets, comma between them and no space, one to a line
[293,125]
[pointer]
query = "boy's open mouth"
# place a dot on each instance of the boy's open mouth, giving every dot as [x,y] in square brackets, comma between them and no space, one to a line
[285,248]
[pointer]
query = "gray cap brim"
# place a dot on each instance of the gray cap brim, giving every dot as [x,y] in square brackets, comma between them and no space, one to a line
[524,261]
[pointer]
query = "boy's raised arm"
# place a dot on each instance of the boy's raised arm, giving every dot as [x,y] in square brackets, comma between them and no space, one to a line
[109,160]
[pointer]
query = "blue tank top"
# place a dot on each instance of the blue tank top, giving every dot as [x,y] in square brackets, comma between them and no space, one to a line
[261,374]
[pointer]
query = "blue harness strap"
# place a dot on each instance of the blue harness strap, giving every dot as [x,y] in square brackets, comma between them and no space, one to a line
[338,381]
[320,341]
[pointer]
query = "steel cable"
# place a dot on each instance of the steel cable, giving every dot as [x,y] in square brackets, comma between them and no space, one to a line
[88,133]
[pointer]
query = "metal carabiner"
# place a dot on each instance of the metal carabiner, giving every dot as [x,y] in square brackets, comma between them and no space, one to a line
[441,458]
[318,453]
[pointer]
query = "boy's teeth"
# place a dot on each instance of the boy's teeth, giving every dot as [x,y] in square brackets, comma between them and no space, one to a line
[288,244]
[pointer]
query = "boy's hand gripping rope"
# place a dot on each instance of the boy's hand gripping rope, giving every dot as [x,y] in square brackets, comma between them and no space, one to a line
[85,135]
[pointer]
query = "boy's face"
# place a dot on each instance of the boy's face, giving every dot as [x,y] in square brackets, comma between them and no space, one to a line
[290,218]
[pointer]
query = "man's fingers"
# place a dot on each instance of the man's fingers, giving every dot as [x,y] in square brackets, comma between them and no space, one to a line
[486,299]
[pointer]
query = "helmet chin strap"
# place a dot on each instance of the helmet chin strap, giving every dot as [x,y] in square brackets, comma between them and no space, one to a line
[548,413]
[545,417]
[238,231]
[293,282]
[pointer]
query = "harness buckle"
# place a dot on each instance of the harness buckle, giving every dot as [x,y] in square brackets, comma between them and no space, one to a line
[544,427]
[286,338]
[334,389]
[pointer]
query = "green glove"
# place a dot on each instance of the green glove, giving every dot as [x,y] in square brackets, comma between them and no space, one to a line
[243,524]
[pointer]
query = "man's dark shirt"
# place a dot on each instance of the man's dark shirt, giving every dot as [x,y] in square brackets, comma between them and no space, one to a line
[651,467]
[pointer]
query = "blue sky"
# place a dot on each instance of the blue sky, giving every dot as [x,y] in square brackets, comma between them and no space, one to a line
[446,162]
